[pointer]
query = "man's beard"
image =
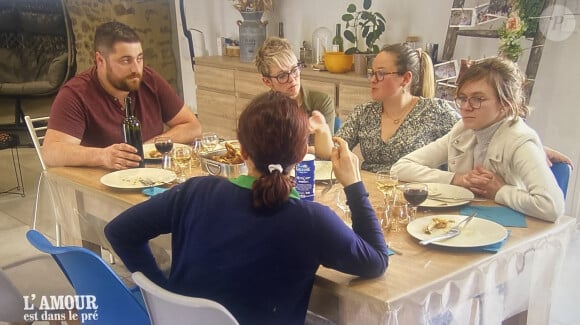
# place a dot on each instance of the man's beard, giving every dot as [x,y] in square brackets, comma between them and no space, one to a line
[125,84]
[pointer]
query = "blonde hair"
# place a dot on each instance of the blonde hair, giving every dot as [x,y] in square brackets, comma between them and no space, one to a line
[507,81]
[274,51]
[418,63]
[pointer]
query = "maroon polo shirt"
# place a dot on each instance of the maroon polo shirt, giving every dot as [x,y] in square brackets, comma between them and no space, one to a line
[83,109]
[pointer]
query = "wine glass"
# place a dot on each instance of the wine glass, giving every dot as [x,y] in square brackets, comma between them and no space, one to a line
[182,156]
[386,182]
[209,140]
[164,146]
[196,150]
[415,194]
[341,204]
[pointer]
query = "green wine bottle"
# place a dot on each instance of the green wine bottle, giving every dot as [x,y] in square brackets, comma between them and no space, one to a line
[337,39]
[132,130]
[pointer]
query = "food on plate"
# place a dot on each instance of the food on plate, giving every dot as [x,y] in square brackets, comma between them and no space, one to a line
[232,156]
[154,154]
[437,223]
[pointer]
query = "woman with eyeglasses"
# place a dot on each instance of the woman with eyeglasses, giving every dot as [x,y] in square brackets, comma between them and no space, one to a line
[402,115]
[280,71]
[491,150]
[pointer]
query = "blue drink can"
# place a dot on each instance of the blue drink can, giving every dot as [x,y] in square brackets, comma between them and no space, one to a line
[305,178]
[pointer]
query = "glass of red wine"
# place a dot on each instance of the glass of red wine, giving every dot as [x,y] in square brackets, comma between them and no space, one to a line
[164,145]
[415,194]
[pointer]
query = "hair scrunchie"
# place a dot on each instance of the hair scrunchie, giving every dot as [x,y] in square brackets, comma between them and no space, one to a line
[273,167]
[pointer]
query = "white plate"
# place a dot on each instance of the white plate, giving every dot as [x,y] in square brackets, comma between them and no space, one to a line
[478,232]
[130,178]
[149,147]
[446,190]
[322,170]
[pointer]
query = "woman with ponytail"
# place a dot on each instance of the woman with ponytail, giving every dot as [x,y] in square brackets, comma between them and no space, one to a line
[250,243]
[402,116]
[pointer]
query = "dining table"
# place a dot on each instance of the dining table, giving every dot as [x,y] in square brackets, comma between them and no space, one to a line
[422,285]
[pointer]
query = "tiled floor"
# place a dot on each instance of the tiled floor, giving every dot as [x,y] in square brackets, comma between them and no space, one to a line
[16,212]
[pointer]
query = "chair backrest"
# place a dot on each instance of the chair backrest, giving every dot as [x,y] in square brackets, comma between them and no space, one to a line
[166,307]
[91,276]
[37,134]
[562,173]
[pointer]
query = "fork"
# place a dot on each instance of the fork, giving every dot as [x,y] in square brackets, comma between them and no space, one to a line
[330,183]
[453,232]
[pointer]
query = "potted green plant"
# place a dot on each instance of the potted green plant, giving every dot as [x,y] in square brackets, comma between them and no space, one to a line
[364,23]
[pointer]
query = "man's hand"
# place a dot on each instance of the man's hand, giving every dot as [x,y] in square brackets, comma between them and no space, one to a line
[120,156]
[344,163]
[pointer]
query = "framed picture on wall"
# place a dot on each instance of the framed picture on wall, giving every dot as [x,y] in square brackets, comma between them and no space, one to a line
[446,70]
[464,17]
[446,91]
[481,16]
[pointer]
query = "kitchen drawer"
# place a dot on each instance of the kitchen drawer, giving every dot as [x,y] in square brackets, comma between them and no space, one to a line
[216,112]
[249,83]
[349,96]
[214,78]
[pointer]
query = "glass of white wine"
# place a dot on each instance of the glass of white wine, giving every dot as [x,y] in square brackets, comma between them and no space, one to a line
[182,157]
[386,182]
[196,151]
[209,140]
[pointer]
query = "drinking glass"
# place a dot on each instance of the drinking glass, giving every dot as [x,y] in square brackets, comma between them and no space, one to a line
[209,140]
[164,146]
[196,150]
[341,204]
[397,216]
[386,182]
[182,156]
[415,194]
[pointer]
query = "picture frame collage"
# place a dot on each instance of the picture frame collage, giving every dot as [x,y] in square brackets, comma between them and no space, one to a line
[481,13]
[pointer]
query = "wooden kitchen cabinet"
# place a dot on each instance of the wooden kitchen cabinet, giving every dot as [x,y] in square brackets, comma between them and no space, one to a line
[225,86]
[351,96]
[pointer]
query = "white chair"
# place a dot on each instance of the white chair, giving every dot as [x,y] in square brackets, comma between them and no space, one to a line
[165,307]
[37,136]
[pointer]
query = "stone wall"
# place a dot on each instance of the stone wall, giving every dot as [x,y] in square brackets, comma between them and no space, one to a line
[150,18]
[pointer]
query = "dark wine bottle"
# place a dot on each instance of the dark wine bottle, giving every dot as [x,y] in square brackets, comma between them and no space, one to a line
[337,39]
[132,130]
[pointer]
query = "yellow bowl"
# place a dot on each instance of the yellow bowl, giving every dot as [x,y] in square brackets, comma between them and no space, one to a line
[337,62]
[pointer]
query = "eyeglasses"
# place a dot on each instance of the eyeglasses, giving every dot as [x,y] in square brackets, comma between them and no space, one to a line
[474,102]
[379,74]
[283,77]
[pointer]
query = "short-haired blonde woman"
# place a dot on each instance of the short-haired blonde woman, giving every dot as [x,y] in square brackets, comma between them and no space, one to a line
[491,150]
[280,71]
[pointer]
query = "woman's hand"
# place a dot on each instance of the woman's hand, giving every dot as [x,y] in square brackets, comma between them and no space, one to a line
[344,163]
[554,156]
[484,182]
[317,123]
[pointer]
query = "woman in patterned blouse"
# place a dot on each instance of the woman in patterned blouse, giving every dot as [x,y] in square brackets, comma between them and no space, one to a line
[402,116]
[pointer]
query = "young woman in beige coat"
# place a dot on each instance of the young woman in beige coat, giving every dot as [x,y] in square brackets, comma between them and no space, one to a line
[491,150]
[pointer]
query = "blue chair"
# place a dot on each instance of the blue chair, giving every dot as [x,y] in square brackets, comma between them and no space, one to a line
[562,173]
[337,123]
[90,275]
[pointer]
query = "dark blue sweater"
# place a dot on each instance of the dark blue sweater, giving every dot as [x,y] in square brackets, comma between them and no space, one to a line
[259,265]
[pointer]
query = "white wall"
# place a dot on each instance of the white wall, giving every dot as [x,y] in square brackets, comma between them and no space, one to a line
[555,96]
